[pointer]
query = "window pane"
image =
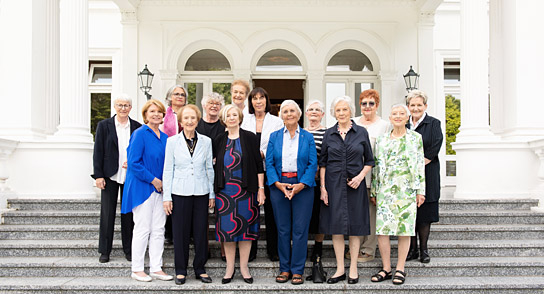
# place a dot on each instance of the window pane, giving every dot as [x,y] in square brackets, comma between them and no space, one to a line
[207,60]
[360,87]
[333,90]
[101,75]
[349,60]
[194,93]
[100,109]
[223,89]
[279,60]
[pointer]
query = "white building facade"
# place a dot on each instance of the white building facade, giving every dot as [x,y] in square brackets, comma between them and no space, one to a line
[297,49]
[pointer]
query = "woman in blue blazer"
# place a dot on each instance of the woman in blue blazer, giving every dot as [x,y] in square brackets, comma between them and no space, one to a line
[291,164]
[188,192]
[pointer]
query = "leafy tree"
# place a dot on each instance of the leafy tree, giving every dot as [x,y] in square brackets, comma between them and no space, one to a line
[223,89]
[100,109]
[453,121]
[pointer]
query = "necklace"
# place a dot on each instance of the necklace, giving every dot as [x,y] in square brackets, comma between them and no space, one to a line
[191,146]
[342,133]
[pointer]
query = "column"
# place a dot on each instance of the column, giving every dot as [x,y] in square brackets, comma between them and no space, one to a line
[425,41]
[52,90]
[74,58]
[129,64]
[474,70]
[388,78]
[315,90]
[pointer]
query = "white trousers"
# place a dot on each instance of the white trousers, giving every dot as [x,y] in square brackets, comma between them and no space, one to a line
[149,219]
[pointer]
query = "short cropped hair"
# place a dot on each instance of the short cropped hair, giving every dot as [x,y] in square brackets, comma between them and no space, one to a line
[321,107]
[190,106]
[170,91]
[214,97]
[416,94]
[148,104]
[290,102]
[243,83]
[370,93]
[225,110]
[123,97]
[401,106]
[342,98]
[252,94]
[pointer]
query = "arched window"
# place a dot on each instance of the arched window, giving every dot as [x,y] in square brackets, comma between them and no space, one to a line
[278,60]
[207,60]
[350,60]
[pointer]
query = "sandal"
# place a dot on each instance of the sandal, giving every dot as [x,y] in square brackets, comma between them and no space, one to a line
[399,277]
[283,277]
[297,279]
[380,278]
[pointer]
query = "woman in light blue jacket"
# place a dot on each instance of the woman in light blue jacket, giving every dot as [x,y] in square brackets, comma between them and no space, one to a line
[188,193]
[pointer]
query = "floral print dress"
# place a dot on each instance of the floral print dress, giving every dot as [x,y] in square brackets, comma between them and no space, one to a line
[397,177]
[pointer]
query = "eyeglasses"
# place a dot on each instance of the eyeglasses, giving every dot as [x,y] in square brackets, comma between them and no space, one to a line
[123,106]
[313,109]
[179,95]
[368,104]
[214,104]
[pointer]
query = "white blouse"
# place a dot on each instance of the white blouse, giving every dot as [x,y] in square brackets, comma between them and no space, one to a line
[271,124]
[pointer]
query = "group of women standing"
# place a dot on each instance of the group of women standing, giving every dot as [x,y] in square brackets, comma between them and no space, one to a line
[359,178]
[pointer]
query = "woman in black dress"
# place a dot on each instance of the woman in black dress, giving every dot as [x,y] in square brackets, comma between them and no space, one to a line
[239,188]
[431,133]
[346,158]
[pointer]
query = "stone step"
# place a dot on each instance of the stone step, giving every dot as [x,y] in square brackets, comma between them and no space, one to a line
[445,204]
[437,248]
[413,285]
[448,217]
[438,232]
[262,267]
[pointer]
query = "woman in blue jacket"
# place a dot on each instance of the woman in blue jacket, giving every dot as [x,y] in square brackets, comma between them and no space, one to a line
[291,164]
[188,192]
[143,185]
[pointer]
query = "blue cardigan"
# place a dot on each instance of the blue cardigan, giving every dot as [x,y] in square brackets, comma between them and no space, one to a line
[145,159]
[306,158]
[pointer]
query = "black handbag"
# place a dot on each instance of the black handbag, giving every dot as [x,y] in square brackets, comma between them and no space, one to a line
[318,274]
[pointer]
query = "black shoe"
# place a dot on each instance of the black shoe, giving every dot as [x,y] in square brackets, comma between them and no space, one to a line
[207,279]
[250,259]
[353,281]
[168,241]
[104,258]
[412,254]
[179,281]
[223,258]
[425,258]
[128,256]
[334,280]
[228,280]
[249,280]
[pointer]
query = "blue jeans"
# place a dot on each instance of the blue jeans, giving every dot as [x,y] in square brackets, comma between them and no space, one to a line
[292,219]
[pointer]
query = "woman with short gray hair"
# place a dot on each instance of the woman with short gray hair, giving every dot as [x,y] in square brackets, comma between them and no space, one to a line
[210,124]
[346,158]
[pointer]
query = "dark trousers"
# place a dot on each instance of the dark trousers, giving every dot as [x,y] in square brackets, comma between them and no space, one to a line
[293,219]
[190,213]
[270,225]
[108,209]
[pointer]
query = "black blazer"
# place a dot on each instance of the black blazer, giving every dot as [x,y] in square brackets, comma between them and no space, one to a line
[252,163]
[106,148]
[431,133]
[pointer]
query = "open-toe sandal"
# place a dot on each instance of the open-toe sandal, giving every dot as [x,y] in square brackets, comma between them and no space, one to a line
[297,279]
[283,277]
[399,278]
[380,278]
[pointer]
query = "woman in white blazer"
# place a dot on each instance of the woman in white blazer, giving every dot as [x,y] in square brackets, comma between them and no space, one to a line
[188,192]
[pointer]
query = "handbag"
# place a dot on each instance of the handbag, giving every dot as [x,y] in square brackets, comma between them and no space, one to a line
[318,274]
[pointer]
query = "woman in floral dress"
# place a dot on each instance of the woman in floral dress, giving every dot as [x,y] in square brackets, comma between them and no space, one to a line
[398,188]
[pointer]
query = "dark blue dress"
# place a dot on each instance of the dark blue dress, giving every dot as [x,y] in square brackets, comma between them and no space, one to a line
[237,216]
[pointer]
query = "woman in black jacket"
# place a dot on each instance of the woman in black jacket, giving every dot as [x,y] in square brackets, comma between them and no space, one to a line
[239,188]
[431,133]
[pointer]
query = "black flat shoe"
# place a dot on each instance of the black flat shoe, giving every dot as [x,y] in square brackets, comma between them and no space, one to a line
[206,280]
[128,256]
[248,280]
[228,280]
[334,280]
[223,258]
[179,281]
[353,281]
[412,254]
[104,258]
[252,258]
[425,258]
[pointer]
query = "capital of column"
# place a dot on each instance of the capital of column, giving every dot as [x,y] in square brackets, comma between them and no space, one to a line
[168,74]
[426,18]
[129,17]
[315,75]
[388,75]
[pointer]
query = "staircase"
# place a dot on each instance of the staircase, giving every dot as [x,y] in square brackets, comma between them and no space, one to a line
[479,246]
